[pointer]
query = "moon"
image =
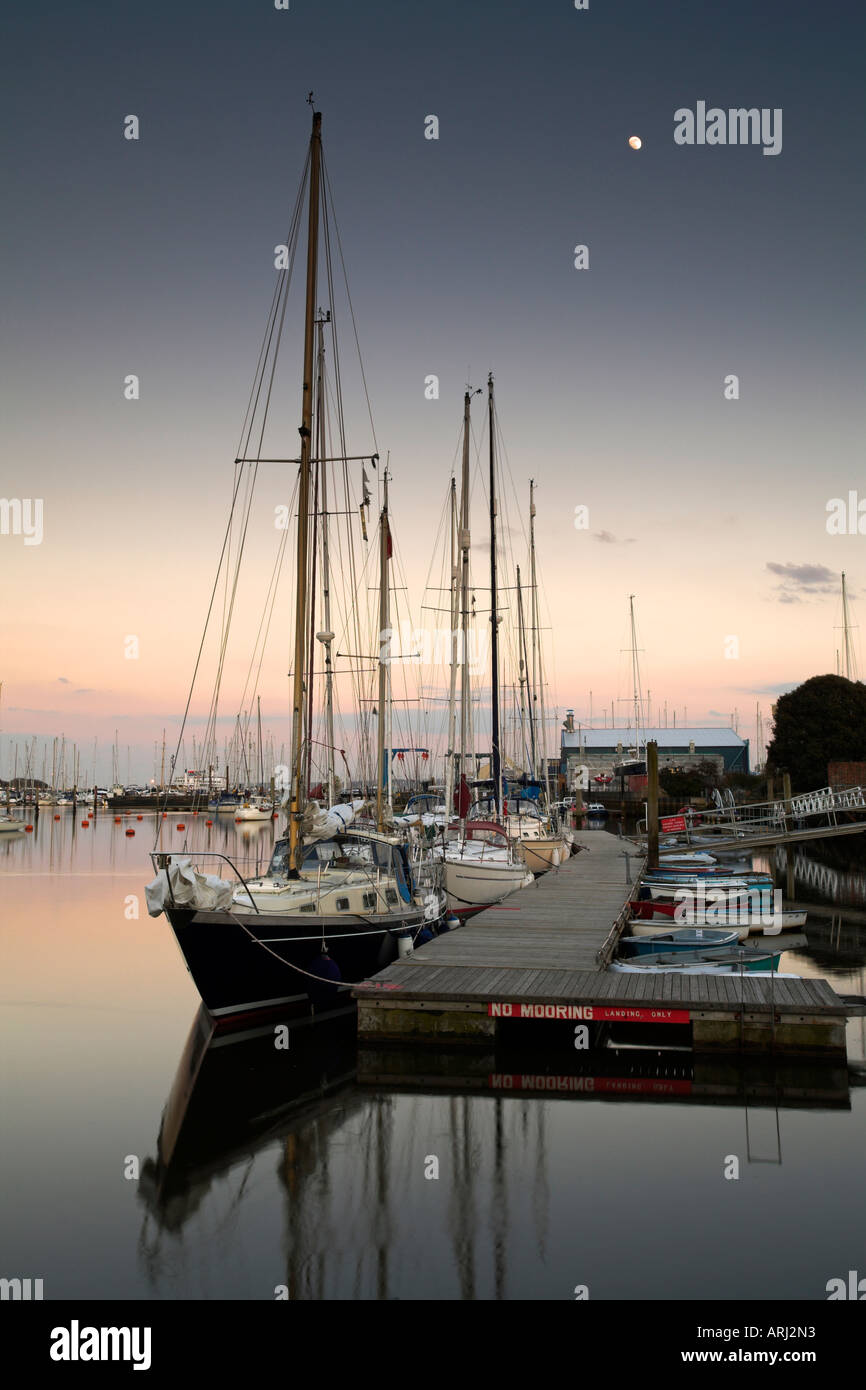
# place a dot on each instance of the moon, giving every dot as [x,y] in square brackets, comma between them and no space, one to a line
[634,141]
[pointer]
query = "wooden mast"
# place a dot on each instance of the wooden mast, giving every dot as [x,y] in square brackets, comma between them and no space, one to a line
[495,753]
[296,809]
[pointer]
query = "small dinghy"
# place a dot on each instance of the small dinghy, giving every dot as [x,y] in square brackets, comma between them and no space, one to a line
[666,890]
[724,960]
[696,859]
[686,939]
[743,913]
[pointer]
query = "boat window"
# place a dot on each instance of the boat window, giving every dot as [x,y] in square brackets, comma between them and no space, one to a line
[280,859]
[323,852]
[342,904]
[423,805]
[369,899]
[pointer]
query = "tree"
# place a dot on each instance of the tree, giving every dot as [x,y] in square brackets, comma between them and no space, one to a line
[822,721]
[681,783]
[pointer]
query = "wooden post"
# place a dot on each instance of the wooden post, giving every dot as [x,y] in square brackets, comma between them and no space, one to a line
[786,793]
[652,817]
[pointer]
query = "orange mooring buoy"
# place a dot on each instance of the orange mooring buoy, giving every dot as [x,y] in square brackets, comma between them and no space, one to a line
[28,827]
[180,825]
[139,818]
[57,818]
[129,830]
[117,820]
[84,824]
[208,822]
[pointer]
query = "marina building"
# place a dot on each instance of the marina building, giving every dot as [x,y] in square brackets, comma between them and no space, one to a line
[609,752]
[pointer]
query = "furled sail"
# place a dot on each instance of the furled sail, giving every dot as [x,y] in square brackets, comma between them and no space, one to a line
[321,825]
[180,885]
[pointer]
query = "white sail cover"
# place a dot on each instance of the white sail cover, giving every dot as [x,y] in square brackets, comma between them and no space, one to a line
[321,825]
[180,885]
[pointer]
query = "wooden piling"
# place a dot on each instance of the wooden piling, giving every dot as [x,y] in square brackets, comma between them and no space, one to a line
[652,771]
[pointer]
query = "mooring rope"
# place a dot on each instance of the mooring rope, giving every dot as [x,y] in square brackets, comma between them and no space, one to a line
[322,979]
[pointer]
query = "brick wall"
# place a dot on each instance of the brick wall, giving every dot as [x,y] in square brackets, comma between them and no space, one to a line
[846,774]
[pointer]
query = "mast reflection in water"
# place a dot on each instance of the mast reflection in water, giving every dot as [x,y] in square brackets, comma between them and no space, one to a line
[309,1170]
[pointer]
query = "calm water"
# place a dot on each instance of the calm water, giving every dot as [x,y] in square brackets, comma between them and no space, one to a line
[251,1169]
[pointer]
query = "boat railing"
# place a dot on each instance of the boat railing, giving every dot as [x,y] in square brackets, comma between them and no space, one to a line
[162,858]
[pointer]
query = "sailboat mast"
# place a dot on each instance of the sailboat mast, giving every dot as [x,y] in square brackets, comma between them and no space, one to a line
[533,610]
[635,678]
[847,627]
[326,637]
[311,645]
[455,654]
[297,796]
[464,540]
[495,754]
[523,665]
[261,755]
[384,653]
[537,662]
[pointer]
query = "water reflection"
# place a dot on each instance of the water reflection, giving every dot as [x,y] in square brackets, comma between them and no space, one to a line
[331,1149]
[307,1168]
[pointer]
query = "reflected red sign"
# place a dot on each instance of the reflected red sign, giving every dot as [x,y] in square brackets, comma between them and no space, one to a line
[673,822]
[611,1085]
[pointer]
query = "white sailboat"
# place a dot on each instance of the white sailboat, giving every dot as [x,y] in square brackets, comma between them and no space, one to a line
[257,808]
[480,864]
[521,802]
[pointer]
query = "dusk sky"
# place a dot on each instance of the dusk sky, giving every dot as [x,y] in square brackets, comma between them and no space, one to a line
[155,257]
